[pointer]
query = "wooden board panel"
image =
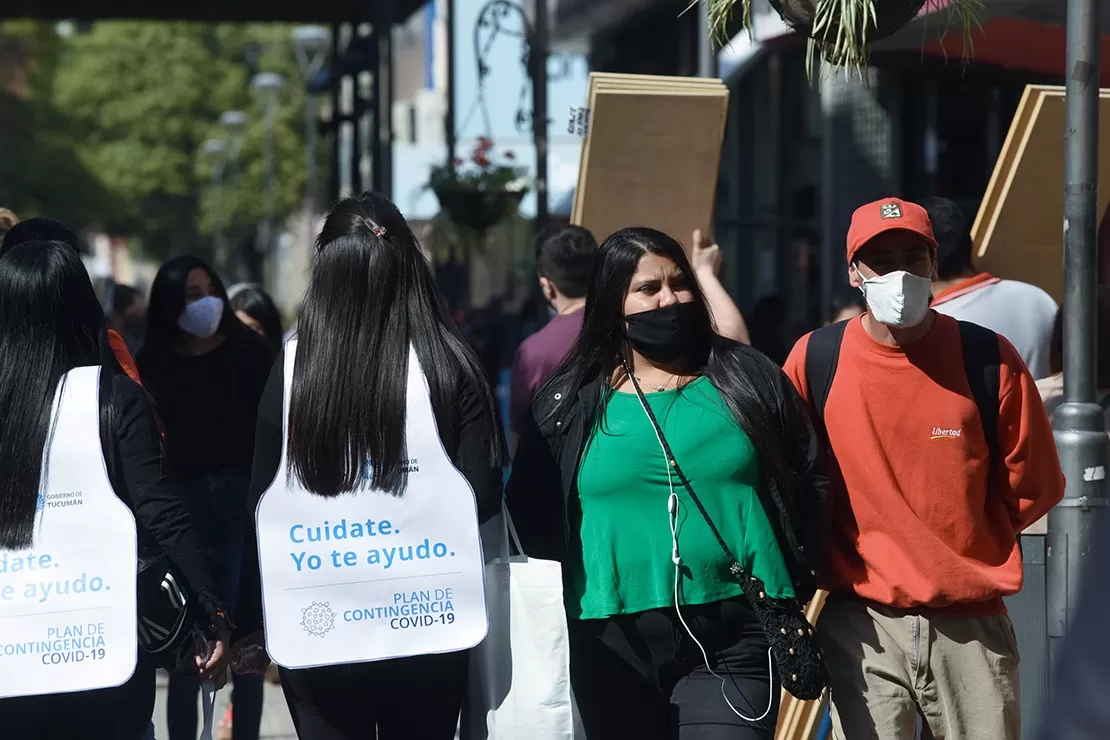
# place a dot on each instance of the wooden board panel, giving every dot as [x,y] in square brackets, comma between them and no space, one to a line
[988,207]
[651,155]
[1020,228]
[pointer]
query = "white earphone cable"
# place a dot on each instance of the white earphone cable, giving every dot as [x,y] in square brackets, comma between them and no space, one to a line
[676,559]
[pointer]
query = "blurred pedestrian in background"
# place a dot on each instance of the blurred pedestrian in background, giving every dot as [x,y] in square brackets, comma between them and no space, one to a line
[564,260]
[206,372]
[845,305]
[1052,387]
[128,316]
[257,310]
[1021,312]
[770,328]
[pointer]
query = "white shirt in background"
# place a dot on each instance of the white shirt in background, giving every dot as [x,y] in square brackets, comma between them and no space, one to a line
[1021,312]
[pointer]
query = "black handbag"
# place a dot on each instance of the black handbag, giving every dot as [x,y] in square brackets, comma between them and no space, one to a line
[169,615]
[791,636]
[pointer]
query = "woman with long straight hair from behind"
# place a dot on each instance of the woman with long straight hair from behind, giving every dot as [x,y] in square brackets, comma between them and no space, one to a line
[676,476]
[369,578]
[83,501]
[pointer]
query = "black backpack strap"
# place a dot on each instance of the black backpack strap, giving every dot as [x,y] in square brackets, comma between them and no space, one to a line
[822,355]
[982,363]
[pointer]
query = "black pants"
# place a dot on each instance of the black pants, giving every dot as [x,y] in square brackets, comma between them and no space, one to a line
[641,676]
[409,698]
[122,713]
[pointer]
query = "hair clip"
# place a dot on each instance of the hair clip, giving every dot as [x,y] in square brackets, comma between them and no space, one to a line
[379,231]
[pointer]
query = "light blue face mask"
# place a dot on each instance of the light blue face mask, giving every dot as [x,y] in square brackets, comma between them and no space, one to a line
[202,317]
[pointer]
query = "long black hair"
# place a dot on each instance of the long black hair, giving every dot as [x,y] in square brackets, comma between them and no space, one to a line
[167,302]
[598,352]
[600,345]
[50,323]
[253,300]
[370,297]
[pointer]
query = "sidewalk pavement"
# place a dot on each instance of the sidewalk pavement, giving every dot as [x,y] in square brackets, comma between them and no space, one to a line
[276,724]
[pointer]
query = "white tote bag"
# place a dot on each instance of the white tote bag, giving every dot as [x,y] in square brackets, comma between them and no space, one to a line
[520,674]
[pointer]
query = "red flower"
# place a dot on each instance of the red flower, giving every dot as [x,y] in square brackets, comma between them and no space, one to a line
[484,144]
[509,156]
[481,159]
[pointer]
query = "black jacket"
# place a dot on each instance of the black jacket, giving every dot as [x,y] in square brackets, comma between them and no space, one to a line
[545,469]
[132,445]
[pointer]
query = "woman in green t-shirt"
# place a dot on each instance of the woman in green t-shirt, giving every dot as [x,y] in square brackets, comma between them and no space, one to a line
[664,644]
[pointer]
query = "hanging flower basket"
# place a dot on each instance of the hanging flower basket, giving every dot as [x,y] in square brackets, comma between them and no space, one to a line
[840,30]
[481,192]
[478,209]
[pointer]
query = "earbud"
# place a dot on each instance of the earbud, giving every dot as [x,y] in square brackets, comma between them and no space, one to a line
[672,511]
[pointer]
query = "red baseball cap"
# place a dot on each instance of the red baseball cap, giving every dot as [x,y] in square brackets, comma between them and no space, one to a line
[888,214]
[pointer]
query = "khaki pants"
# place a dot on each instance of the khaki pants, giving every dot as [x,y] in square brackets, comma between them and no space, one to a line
[887,667]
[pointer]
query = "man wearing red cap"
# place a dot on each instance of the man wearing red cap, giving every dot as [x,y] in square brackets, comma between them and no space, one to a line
[944,453]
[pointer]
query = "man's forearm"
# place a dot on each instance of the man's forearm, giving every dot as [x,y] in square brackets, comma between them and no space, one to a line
[730,322]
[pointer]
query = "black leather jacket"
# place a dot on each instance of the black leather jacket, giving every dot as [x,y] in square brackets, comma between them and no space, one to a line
[545,469]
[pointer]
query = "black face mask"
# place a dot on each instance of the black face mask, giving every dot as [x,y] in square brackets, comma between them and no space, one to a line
[666,335]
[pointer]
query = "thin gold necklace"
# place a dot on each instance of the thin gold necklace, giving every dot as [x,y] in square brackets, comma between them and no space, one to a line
[658,388]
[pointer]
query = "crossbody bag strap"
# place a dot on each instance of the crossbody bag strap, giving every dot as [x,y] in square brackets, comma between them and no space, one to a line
[734,566]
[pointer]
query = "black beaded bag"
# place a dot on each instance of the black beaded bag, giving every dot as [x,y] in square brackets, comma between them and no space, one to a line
[791,636]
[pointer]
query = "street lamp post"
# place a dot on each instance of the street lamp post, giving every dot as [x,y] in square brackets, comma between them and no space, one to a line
[216,150]
[234,122]
[1081,439]
[311,44]
[268,86]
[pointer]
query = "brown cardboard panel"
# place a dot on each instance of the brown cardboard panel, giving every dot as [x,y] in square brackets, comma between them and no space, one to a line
[1023,238]
[651,159]
[987,215]
[614,78]
[604,81]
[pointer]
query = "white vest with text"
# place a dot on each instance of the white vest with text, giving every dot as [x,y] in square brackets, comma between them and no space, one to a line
[367,575]
[68,603]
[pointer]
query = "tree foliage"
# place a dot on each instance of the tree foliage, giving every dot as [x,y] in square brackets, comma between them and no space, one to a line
[122,112]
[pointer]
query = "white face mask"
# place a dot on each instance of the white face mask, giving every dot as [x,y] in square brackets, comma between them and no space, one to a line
[898,299]
[202,317]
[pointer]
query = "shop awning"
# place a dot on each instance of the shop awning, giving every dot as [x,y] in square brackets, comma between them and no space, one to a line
[1022,35]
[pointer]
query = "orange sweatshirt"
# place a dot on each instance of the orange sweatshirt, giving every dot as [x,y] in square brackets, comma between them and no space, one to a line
[916,525]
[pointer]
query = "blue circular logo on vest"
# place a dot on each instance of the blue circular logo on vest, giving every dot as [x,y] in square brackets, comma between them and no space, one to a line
[40,503]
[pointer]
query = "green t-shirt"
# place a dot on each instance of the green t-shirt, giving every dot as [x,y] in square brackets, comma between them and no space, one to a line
[625,565]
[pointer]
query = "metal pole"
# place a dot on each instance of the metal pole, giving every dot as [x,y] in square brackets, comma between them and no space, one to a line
[336,147]
[383,104]
[538,57]
[707,53]
[310,116]
[218,214]
[268,188]
[1080,437]
[449,119]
